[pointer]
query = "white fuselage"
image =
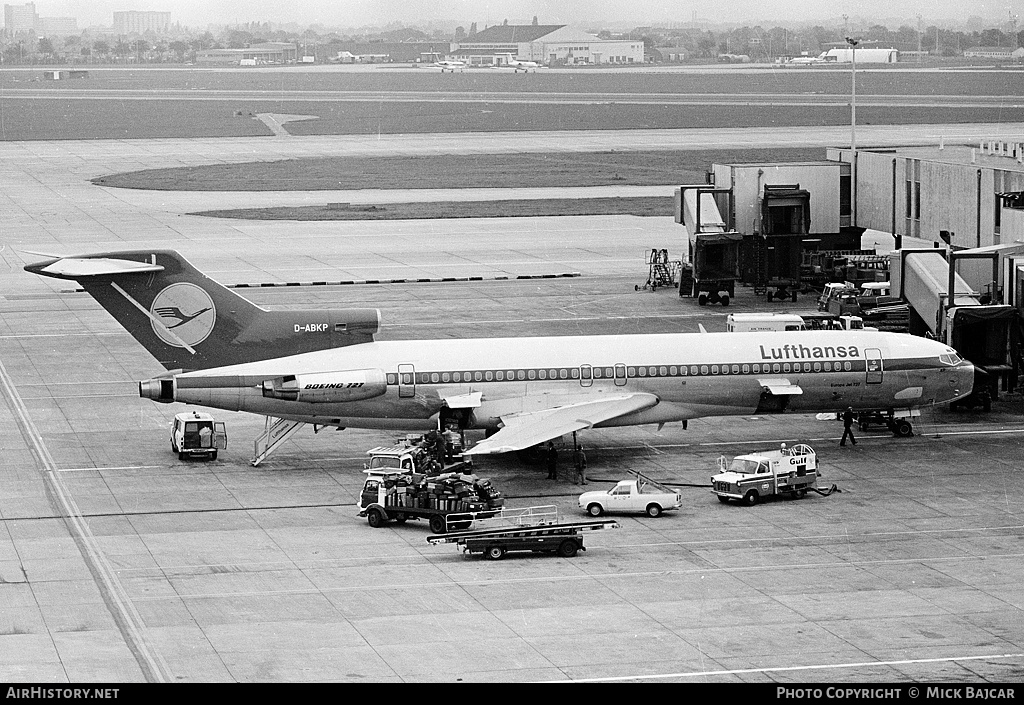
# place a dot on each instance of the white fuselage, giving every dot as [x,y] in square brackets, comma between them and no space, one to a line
[692,375]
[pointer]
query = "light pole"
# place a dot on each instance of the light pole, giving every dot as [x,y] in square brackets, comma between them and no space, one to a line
[853,128]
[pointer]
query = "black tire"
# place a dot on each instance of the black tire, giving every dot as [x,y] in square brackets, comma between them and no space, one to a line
[723,500]
[770,296]
[376,518]
[213,455]
[725,300]
[653,511]
[902,428]
[636,287]
[438,524]
[181,456]
[401,518]
[864,425]
[800,494]
[595,510]
[702,300]
[568,548]
[751,498]
[794,297]
[495,553]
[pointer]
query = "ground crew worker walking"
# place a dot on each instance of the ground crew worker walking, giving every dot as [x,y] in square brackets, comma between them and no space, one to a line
[848,426]
[552,461]
[581,465]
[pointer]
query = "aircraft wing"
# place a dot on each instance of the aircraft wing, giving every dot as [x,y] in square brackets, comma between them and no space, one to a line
[528,429]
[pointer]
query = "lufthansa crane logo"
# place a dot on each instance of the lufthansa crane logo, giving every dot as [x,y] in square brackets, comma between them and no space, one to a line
[186,312]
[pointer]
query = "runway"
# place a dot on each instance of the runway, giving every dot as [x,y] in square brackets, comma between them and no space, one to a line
[120,563]
[814,99]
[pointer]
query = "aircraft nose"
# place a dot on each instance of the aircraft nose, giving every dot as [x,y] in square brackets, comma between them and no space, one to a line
[962,381]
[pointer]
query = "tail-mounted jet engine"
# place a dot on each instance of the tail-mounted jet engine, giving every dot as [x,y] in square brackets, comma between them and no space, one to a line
[348,385]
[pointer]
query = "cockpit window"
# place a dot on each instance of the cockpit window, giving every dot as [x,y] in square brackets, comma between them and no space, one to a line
[950,359]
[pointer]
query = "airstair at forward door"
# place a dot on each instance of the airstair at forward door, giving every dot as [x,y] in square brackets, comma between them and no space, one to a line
[274,434]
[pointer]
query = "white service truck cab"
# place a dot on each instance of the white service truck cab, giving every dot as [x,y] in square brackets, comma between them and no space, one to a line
[195,433]
[750,478]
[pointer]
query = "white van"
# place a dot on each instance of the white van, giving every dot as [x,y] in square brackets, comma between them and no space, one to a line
[756,322]
[195,433]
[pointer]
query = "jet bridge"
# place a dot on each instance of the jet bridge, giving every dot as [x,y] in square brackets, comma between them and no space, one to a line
[714,247]
[980,333]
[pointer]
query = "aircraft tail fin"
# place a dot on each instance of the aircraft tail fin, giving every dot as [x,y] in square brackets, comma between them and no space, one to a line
[187,321]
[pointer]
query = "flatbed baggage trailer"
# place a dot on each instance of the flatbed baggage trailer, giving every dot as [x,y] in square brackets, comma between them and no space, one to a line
[505,532]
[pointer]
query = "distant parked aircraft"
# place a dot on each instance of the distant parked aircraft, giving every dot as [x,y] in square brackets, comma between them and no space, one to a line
[517,65]
[450,65]
[806,60]
[345,57]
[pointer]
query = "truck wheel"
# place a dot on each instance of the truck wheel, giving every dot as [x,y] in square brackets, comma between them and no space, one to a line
[653,511]
[376,518]
[702,300]
[568,548]
[750,498]
[213,455]
[725,300]
[800,494]
[902,428]
[438,524]
[181,456]
[595,510]
[770,296]
[401,518]
[794,297]
[723,500]
[495,553]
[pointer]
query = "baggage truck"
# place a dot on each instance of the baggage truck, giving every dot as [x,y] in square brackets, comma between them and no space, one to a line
[400,495]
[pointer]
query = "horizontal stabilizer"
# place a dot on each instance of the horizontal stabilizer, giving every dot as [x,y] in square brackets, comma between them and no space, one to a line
[528,429]
[79,267]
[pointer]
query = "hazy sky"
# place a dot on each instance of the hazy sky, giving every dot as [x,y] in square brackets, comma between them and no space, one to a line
[357,13]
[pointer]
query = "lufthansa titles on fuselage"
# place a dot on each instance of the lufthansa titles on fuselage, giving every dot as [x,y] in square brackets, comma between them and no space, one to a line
[805,352]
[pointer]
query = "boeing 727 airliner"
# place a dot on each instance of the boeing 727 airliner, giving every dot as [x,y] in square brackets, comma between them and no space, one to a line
[324,368]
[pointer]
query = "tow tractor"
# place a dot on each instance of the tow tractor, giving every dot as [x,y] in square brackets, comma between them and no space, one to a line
[787,472]
[535,529]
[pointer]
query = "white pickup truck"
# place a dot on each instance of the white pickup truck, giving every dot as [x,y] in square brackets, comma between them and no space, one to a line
[631,496]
